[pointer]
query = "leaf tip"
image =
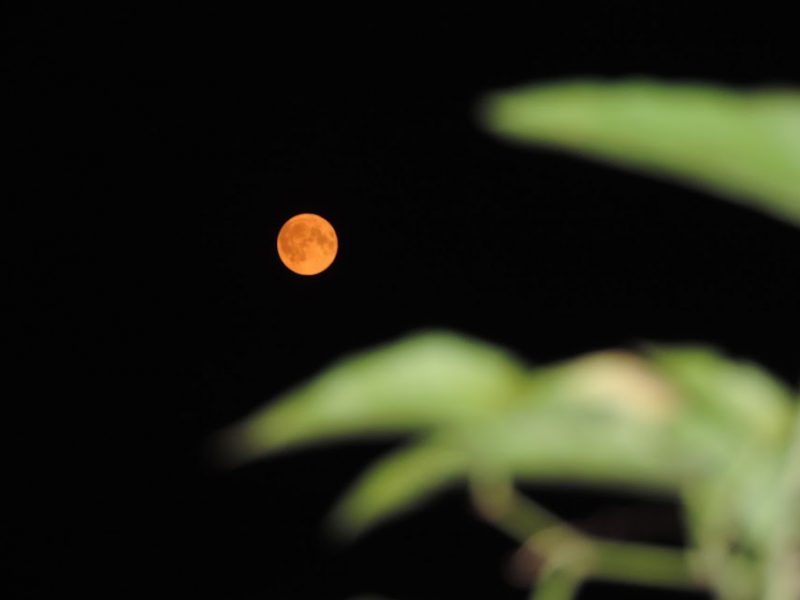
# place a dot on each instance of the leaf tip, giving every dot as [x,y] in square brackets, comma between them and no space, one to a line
[342,527]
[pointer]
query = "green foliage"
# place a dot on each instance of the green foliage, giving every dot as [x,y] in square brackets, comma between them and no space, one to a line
[739,397]
[396,484]
[415,385]
[742,145]
[720,436]
[684,422]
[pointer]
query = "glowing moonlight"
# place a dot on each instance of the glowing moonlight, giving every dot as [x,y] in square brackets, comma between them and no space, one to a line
[307,244]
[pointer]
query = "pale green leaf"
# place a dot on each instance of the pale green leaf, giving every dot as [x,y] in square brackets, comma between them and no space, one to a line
[743,145]
[740,415]
[784,540]
[573,446]
[541,442]
[398,483]
[419,382]
[601,419]
[737,396]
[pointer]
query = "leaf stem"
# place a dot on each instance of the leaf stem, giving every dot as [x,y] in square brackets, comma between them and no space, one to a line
[556,585]
[576,555]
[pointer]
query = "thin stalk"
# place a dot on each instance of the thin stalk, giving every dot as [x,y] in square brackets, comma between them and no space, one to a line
[571,552]
[556,585]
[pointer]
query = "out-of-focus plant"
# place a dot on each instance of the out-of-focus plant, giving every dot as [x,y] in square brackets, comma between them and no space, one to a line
[720,436]
[744,146]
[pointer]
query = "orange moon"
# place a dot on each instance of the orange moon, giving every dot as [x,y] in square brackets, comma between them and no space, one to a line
[307,244]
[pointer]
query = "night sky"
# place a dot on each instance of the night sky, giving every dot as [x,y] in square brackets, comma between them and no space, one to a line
[156,153]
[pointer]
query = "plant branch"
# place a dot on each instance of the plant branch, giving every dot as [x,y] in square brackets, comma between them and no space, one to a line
[577,556]
[556,585]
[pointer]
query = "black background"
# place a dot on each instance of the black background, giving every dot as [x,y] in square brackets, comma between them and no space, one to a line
[156,152]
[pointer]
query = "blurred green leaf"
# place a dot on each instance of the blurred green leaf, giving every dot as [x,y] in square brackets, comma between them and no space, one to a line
[742,145]
[783,574]
[738,416]
[538,442]
[736,396]
[398,483]
[575,447]
[599,419]
[683,421]
[421,381]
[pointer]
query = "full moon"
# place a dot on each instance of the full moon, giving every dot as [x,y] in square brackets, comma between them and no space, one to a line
[307,244]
